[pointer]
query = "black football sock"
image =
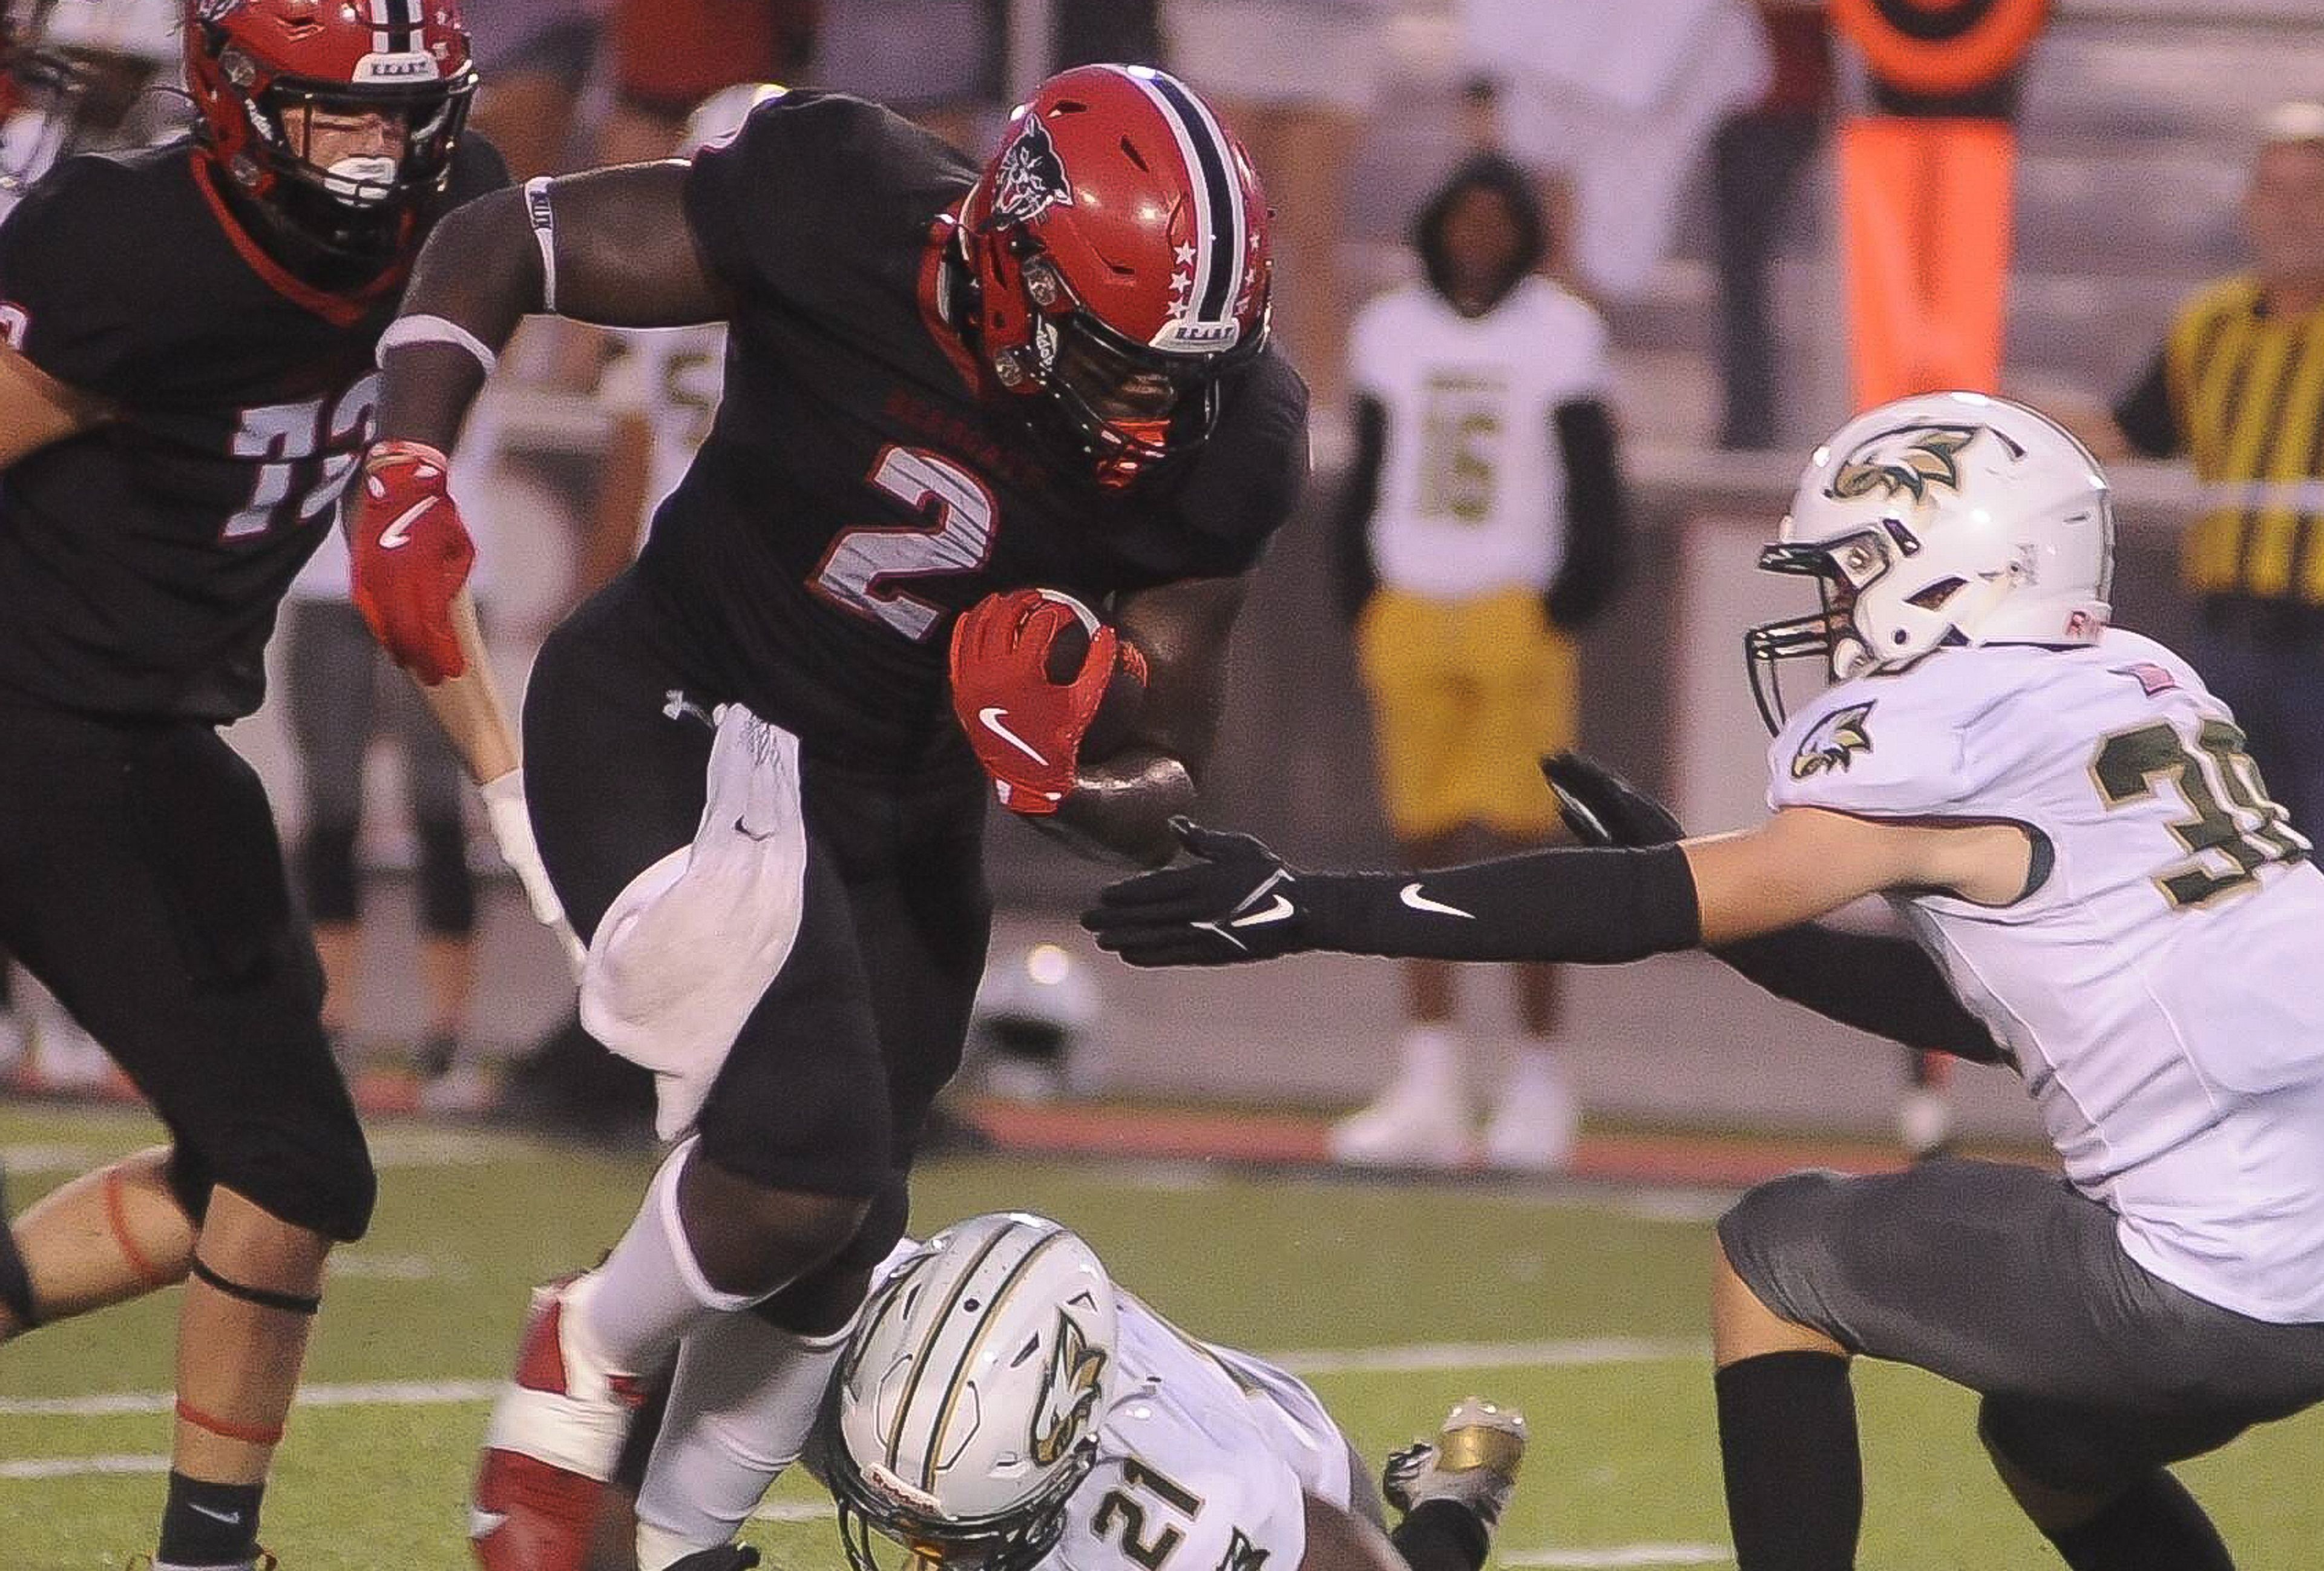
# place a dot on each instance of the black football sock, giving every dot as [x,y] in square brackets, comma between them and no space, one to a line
[1442,1534]
[1795,1481]
[2155,1525]
[209,1524]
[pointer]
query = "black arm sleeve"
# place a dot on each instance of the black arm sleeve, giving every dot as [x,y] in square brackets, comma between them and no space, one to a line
[2144,414]
[1597,521]
[1887,987]
[1353,575]
[1601,904]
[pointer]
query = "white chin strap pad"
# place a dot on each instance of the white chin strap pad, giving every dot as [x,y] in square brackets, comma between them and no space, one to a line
[685,952]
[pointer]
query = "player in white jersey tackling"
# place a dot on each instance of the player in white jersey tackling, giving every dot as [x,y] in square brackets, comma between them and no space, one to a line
[1001,1405]
[2070,824]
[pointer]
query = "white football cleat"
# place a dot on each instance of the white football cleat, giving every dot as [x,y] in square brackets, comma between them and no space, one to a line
[555,1438]
[1417,1123]
[1536,1123]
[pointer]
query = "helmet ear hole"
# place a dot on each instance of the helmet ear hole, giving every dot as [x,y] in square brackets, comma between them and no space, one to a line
[1935,594]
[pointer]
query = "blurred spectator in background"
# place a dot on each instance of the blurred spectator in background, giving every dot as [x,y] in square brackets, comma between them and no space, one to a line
[1296,80]
[2237,389]
[939,62]
[534,57]
[1619,101]
[1926,190]
[1482,525]
[669,55]
[1756,168]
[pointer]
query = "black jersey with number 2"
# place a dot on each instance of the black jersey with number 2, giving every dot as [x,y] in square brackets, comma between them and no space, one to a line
[855,492]
[141,561]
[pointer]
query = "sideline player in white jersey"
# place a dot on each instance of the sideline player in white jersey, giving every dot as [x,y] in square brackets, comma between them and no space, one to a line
[1481,529]
[1000,1404]
[2070,824]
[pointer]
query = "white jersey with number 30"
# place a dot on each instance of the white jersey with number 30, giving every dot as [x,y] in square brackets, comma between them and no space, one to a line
[1204,1460]
[2162,987]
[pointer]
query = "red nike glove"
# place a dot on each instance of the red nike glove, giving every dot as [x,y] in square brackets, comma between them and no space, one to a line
[411,554]
[1026,728]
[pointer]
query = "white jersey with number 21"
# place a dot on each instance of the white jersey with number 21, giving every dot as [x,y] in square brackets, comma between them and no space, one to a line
[1204,1461]
[2161,985]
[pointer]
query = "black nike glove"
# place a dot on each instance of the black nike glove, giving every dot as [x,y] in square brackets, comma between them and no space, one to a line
[1235,901]
[1602,808]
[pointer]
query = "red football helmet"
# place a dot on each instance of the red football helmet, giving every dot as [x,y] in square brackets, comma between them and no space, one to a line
[258,67]
[1119,245]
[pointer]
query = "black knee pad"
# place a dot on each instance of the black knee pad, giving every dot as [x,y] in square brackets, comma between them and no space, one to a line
[447,888]
[326,871]
[310,1169]
[2068,1449]
[821,1302]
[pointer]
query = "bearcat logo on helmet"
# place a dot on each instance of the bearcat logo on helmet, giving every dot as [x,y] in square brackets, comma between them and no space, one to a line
[1903,462]
[1031,177]
[1836,738]
[1069,1392]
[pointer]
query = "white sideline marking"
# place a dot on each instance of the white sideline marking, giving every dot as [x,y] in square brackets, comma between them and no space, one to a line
[391,1393]
[358,1266]
[401,1148]
[1583,1353]
[1428,1356]
[39,1467]
[1626,1554]
[792,1510]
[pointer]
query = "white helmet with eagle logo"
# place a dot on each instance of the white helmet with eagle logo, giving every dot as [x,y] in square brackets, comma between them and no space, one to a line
[969,1395]
[1938,520]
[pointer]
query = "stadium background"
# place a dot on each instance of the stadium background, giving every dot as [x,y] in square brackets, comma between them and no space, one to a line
[1580,1298]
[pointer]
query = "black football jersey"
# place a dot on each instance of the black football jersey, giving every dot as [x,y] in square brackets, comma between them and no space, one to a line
[855,492]
[141,562]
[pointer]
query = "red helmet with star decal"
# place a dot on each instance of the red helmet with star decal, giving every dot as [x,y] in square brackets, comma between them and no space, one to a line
[1119,246]
[258,69]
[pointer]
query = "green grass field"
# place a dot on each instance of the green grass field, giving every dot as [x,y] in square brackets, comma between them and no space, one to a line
[1586,1308]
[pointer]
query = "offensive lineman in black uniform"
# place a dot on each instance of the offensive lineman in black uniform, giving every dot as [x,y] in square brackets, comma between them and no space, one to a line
[186,382]
[941,388]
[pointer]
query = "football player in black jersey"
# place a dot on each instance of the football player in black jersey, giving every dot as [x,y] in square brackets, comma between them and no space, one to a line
[186,386]
[944,388]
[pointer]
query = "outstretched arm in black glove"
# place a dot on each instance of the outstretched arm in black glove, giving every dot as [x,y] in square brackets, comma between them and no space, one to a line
[1237,900]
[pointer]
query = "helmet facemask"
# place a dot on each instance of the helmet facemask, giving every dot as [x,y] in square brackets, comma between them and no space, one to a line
[1095,393]
[358,208]
[872,1502]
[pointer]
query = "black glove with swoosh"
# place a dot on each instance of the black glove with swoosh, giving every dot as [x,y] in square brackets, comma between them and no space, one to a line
[1236,901]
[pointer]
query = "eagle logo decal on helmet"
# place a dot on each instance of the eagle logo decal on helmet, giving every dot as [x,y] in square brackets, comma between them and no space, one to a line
[1069,1392]
[1031,177]
[1904,462]
[1833,741]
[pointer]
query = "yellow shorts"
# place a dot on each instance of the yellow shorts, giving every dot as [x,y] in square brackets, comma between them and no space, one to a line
[1467,695]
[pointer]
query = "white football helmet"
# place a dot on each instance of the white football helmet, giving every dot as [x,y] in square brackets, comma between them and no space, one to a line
[969,1395]
[1941,520]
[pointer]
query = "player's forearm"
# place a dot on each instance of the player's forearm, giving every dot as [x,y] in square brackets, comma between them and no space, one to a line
[479,274]
[468,705]
[1598,904]
[1122,806]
